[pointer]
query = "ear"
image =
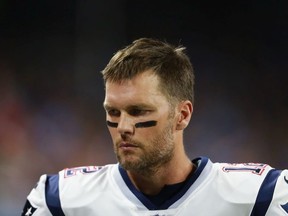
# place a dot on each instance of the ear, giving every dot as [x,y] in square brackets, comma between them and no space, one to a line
[185,110]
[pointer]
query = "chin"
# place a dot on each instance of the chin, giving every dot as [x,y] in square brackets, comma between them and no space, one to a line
[131,163]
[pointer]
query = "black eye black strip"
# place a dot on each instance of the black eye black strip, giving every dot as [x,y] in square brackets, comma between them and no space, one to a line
[146,124]
[137,125]
[112,124]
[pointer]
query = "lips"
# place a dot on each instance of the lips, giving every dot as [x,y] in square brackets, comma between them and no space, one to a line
[127,145]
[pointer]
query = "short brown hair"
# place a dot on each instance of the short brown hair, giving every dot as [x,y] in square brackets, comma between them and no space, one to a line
[169,63]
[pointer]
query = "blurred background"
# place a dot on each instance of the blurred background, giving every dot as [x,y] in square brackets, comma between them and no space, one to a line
[51,90]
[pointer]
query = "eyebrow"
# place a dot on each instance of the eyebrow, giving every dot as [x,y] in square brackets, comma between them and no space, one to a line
[107,106]
[134,106]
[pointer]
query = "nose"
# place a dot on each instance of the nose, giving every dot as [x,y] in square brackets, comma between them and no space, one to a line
[125,125]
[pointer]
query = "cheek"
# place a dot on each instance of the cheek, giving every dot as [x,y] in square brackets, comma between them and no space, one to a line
[148,133]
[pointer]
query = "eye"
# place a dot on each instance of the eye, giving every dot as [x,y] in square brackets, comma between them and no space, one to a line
[137,112]
[113,112]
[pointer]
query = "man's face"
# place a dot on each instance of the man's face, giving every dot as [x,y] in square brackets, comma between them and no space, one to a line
[140,121]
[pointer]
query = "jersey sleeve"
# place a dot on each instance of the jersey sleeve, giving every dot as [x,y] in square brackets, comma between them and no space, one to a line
[279,204]
[36,202]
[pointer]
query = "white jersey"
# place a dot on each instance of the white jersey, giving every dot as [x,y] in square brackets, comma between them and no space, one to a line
[214,189]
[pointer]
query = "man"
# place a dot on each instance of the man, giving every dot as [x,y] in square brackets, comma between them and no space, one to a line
[149,102]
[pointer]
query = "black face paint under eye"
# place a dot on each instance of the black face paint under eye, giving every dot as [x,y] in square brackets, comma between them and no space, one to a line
[112,124]
[137,125]
[146,124]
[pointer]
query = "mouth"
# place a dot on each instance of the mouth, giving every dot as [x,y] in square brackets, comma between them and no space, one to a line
[127,146]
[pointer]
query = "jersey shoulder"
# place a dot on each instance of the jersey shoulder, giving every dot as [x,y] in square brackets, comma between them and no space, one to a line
[279,203]
[255,183]
[84,171]
[79,178]
[240,182]
[67,186]
[241,171]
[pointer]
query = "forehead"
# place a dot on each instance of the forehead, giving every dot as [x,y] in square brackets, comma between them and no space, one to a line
[142,89]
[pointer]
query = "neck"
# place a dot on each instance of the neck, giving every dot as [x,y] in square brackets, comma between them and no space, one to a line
[153,180]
